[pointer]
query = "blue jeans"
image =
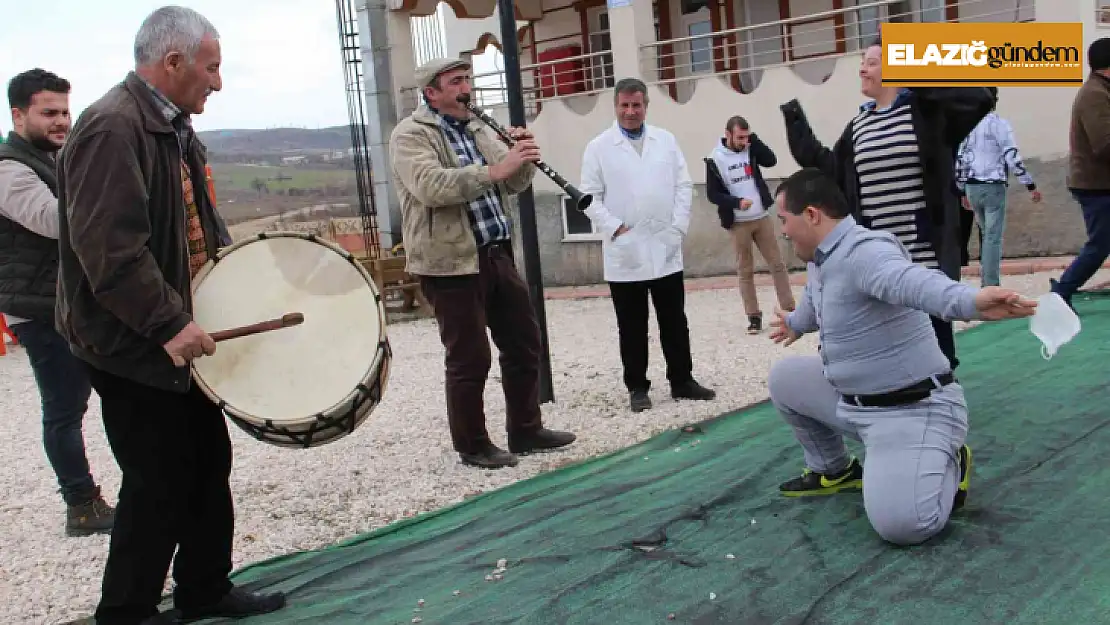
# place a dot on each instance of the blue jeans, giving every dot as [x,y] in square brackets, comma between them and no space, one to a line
[64,388]
[988,202]
[1096,214]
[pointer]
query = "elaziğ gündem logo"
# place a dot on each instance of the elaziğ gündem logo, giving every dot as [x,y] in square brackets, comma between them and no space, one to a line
[982,54]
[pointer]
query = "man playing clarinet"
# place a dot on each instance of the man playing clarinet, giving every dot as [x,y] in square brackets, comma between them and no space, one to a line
[454,179]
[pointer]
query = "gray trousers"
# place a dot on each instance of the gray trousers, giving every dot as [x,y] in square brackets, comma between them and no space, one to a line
[911,468]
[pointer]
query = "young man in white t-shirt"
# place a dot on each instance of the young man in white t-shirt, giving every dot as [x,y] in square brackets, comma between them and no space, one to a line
[735,184]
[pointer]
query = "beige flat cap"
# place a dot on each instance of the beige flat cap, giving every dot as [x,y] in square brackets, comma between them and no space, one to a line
[427,73]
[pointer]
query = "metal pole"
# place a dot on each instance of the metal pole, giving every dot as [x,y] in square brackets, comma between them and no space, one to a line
[514,92]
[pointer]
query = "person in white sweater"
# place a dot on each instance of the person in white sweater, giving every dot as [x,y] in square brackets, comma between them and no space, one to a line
[734,182]
[986,159]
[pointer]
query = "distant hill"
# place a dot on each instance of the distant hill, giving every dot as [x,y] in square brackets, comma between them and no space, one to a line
[277,141]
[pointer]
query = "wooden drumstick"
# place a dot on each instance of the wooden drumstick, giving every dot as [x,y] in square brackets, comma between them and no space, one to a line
[287,320]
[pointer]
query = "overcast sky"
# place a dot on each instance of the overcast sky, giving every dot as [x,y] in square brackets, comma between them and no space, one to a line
[281,60]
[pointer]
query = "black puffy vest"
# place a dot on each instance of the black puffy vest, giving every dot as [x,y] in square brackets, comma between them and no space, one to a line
[28,261]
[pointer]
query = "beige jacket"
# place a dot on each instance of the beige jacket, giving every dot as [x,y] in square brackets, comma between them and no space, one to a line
[435,192]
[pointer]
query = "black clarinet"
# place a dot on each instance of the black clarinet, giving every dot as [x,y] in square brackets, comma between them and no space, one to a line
[581,200]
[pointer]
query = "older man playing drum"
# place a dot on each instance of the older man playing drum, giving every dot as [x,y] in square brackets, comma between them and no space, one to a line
[136,225]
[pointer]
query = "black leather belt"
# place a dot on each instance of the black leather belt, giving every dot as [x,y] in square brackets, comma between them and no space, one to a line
[903,396]
[494,247]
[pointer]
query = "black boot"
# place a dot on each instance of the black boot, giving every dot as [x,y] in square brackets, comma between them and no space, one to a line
[162,618]
[540,439]
[755,323]
[692,390]
[236,604]
[492,457]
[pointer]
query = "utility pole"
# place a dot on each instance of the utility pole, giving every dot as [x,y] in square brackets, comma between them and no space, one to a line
[526,200]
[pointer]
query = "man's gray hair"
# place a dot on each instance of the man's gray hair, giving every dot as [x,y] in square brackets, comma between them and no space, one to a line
[630,86]
[171,29]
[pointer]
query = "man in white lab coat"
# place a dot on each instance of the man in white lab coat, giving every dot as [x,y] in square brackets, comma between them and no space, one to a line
[642,195]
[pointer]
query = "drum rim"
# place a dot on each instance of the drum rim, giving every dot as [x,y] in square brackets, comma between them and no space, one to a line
[382,354]
[208,265]
[282,437]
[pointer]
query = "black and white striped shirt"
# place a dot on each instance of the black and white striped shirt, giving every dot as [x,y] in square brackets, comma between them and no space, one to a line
[891,185]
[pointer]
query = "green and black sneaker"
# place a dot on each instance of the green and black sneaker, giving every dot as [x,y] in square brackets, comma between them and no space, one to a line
[965,477]
[812,483]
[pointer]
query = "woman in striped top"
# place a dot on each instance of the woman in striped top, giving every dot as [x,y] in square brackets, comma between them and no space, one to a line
[895,162]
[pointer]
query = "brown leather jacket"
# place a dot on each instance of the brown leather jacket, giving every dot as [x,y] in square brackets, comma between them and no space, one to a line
[124,283]
[1089,136]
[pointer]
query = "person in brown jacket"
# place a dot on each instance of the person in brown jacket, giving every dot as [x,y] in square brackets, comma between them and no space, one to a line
[454,179]
[1089,169]
[136,224]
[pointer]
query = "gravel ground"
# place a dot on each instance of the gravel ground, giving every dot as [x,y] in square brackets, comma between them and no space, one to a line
[399,463]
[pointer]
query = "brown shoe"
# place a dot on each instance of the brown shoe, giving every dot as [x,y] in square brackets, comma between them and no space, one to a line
[92,517]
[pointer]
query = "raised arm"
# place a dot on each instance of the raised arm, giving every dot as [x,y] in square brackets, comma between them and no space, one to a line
[416,164]
[763,155]
[883,269]
[108,215]
[592,182]
[806,149]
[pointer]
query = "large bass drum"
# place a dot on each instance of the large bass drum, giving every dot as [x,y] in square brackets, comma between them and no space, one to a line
[306,385]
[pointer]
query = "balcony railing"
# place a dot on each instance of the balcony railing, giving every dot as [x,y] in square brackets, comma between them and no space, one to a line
[1102,14]
[582,74]
[806,42]
[741,53]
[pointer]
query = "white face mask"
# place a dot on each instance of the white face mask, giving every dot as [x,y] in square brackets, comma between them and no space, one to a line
[1054,323]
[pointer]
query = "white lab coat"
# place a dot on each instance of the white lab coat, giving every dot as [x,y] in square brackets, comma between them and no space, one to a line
[651,194]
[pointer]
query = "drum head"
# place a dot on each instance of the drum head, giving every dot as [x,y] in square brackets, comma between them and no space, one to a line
[289,375]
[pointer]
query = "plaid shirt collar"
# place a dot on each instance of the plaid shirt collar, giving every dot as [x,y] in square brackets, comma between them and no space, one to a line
[177,118]
[486,214]
[458,125]
[168,109]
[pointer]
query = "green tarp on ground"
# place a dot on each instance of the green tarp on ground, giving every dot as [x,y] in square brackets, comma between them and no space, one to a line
[1030,548]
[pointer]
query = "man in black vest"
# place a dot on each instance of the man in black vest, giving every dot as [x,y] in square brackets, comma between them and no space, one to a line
[28,280]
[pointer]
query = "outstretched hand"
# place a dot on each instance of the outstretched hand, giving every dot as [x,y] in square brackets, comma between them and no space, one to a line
[994,303]
[780,332]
